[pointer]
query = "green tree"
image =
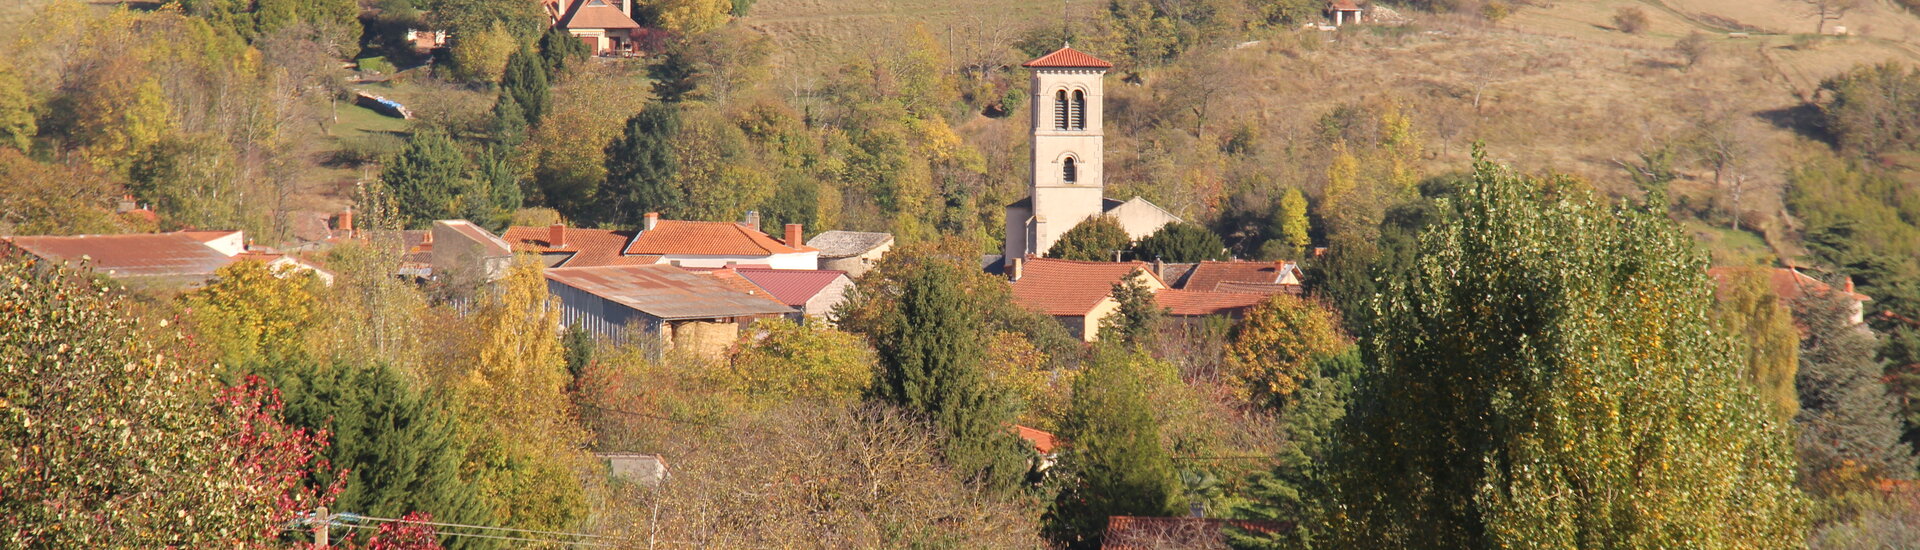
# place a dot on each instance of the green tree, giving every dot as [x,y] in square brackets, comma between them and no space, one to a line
[1849,433]
[1094,240]
[1286,14]
[1291,214]
[103,426]
[1746,305]
[395,450]
[1138,320]
[560,50]
[481,55]
[254,314]
[1295,491]
[1114,457]
[509,120]
[17,125]
[1276,346]
[930,346]
[1547,376]
[1874,109]
[428,178]
[641,168]
[1184,242]
[526,81]
[801,360]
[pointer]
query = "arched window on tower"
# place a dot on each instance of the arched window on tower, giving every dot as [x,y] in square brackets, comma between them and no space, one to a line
[1079,110]
[1071,173]
[1060,110]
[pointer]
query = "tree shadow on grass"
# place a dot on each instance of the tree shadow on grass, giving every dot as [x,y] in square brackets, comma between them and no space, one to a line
[1804,119]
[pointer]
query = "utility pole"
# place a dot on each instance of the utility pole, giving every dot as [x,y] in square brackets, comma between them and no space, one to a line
[322,521]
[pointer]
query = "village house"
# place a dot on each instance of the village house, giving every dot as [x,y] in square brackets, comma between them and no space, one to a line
[1077,294]
[1067,177]
[603,27]
[684,311]
[671,242]
[465,254]
[1343,12]
[177,260]
[810,292]
[646,470]
[853,252]
[1236,276]
[1791,285]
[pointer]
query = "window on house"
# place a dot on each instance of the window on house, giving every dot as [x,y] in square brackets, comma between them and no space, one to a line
[1079,110]
[1070,173]
[1060,110]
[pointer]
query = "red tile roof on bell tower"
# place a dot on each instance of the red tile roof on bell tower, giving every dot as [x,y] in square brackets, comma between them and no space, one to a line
[1067,57]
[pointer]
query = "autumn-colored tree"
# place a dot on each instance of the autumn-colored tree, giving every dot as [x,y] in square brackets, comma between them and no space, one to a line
[1277,344]
[512,379]
[17,125]
[80,204]
[480,55]
[1547,375]
[1747,306]
[104,421]
[800,360]
[687,17]
[254,314]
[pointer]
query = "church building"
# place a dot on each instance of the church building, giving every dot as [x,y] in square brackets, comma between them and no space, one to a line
[1068,176]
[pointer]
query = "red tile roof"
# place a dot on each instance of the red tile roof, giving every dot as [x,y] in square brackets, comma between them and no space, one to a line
[1068,287]
[1067,57]
[596,14]
[1042,441]
[585,247]
[1344,5]
[791,286]
[728,276]
[1209,275]
[131,255]
[1195,303]
[665,291]
[1790,284]
[679,237]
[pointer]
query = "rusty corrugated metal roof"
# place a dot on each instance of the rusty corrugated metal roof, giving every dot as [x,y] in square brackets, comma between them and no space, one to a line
[130,255]
[665,291]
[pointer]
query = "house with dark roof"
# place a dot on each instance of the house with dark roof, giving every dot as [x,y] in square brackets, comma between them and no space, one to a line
[854,252]
[681,243]
[810,292]
[686,311]
[1077,294]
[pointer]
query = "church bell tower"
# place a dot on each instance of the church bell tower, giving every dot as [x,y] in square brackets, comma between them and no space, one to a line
[1066,177]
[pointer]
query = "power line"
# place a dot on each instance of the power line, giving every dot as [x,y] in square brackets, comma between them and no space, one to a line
[480,536]
[352,517]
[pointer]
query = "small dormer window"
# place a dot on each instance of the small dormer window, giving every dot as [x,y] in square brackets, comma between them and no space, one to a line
[1070,173]
[1060,110]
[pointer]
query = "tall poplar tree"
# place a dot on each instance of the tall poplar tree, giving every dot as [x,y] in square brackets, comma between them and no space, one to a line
[1547,376]
[1748,306]
[930,350]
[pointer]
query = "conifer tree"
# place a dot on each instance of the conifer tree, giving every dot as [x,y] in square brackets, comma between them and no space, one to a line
[1094,240]
[1184,242]
[1849,433]
[526,80]
[929,346]
[1547,376]
[1137,321]
[509,120]
[559,50]
[1114,454]
[427,178]
[641,168]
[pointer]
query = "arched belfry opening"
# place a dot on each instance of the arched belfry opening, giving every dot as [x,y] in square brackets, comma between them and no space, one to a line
[1060,110]
[1079,110]
[1069,171]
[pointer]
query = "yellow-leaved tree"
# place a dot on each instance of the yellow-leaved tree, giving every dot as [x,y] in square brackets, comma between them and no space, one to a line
[255,313]
[528,448]
[1276,345]
[800,360]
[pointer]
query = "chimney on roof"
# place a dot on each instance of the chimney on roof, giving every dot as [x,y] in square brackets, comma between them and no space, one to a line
[1849,284]
[344,222]
[793,235]
[753,220]
[1159,267]
[557,235]
[1014,267]
[652,219]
